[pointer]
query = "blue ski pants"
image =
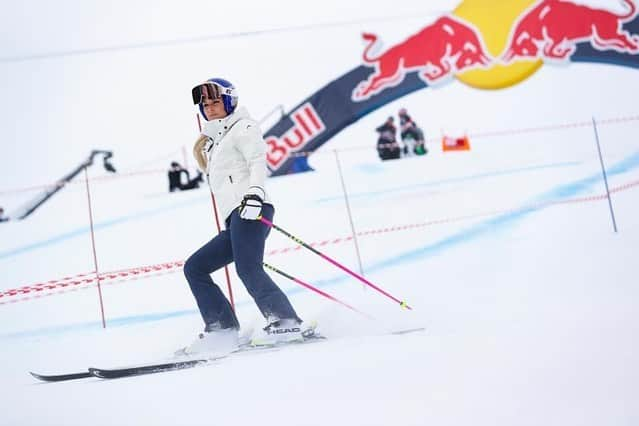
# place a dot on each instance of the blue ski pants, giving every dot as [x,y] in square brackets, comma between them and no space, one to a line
[241,242]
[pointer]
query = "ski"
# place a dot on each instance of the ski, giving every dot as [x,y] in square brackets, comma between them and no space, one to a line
[114,373]
[131,371]
[118,373]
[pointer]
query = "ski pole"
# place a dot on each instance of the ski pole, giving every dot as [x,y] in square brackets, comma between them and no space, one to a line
[316,290]
[339,265]
[219,229]
[226,268]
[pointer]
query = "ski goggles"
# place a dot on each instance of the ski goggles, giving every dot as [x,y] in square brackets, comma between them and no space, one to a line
[210,90]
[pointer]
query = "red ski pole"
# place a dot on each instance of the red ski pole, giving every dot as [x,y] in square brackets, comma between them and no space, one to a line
[334,262]
[226,268]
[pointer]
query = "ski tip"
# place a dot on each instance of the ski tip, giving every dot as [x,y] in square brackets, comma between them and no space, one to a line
[43,377]
[60,377]
[36,375]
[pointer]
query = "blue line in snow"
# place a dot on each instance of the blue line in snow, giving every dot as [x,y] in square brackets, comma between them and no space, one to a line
[560,192]
[97,325]
[99,226]
[474,177]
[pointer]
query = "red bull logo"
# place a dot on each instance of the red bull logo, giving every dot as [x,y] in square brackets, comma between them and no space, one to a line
[307,125]
[445,47]
[493,46]
[551,29]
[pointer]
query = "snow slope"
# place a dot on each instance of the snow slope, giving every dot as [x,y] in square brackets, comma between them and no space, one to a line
[529,312]
[506,253]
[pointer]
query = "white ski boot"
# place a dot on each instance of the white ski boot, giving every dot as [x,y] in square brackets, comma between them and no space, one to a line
[214,343]
[278,331]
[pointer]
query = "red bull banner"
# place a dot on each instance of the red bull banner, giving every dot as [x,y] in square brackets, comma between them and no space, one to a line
[517,39]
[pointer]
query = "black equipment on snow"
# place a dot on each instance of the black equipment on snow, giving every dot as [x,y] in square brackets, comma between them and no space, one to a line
[40,199]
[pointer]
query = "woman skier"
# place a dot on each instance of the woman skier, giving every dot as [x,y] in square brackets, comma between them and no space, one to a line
[232,154]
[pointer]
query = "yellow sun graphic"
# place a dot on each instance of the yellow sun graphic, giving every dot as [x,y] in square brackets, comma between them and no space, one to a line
[495,20]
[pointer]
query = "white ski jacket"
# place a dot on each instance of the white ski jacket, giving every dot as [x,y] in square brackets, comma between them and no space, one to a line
[236,160]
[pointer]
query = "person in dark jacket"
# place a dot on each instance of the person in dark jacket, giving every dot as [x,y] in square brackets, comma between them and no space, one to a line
[175,178]
[412,136]
[387,147]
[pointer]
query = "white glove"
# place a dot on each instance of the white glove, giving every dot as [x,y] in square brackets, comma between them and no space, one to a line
[251,207]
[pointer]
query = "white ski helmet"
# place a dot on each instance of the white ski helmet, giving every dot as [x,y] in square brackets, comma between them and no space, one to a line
[216,88]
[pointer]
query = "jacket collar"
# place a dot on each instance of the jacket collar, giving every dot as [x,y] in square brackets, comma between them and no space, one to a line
[219,127]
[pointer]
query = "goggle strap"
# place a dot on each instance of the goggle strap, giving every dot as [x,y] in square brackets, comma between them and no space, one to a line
[211,90]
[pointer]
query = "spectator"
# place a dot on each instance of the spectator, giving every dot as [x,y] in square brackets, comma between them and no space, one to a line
[175,178]
[3,218]
[387,146]
[412,136]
